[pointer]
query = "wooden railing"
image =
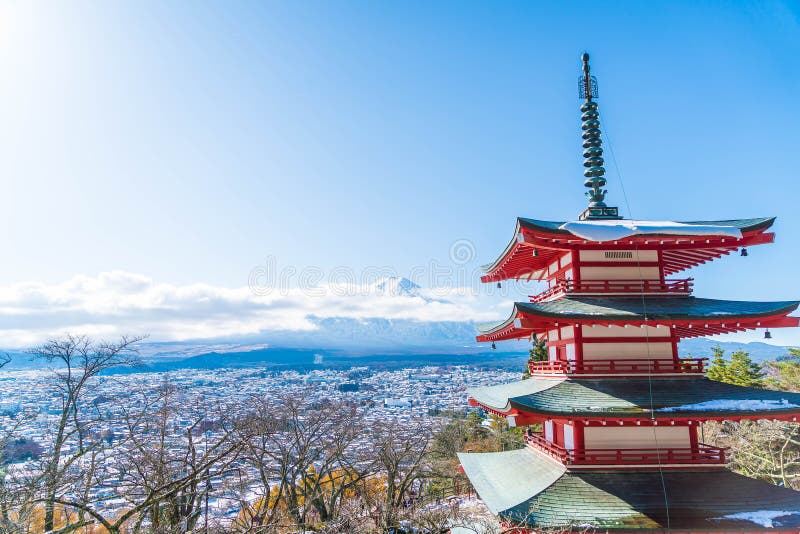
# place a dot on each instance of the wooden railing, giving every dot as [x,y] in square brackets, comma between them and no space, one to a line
[606,287]
[610,366]
[701,454]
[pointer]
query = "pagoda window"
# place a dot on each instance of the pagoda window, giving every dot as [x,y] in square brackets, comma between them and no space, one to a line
[617,256]
[566,259]
[567,332]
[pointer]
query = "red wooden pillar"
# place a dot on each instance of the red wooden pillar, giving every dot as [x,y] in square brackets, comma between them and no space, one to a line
[558,433]
[674,340]
[578,337]
[693,442]
[577,433]
[576,267]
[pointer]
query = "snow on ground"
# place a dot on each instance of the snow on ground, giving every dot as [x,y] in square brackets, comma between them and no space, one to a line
[765,518]
[620,229]
[738,405]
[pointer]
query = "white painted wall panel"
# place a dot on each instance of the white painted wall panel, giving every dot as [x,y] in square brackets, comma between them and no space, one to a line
[548,430]
[569,437]
[621,331]
[627,350]
[627,437]
[619,273]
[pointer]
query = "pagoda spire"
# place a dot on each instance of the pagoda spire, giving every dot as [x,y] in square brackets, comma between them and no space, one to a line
[593,149]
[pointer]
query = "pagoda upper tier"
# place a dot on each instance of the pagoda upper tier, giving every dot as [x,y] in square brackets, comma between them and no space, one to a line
[546,250]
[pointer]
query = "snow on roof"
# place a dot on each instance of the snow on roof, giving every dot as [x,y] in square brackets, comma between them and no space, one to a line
[738,405]
[620,229]
[765,518]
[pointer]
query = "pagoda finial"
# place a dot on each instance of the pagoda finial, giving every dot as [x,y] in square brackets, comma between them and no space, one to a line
[593,151]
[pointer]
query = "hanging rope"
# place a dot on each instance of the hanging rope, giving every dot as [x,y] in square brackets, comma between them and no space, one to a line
[646,334]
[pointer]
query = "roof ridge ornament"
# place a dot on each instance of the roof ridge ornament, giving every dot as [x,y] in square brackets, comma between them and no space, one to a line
[593,149]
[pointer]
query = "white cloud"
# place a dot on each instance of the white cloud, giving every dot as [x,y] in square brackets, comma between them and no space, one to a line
[118,302]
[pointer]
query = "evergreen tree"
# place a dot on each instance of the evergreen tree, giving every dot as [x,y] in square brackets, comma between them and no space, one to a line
[743,371]
[474,422]
[740,371]
[537,353]
[719,366]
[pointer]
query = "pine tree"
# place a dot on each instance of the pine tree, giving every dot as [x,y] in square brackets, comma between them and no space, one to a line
[537,353]
[740,371]
[743,371]
[719,366]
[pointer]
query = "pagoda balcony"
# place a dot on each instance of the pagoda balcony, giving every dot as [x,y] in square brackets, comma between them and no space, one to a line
[667,288]
[702,454]
[619,367]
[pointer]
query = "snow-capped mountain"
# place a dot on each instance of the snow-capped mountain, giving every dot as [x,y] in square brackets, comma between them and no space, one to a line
[398,286]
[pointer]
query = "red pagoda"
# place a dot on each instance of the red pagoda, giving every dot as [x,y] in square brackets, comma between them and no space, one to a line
[620,448]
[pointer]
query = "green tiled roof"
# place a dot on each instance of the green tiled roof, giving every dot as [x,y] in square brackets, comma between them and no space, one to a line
[635,397]
[654,308]
[529,489]
[507,479]
[687,500]
[742,224]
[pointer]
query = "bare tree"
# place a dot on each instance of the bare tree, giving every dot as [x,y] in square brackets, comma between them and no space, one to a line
[16,497]
[158,468]
[79,360]
[311,450]
[399,449]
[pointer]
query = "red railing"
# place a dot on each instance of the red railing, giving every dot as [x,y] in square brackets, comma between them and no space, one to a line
[643,365]
[537,441]
[702,454]
[605,287]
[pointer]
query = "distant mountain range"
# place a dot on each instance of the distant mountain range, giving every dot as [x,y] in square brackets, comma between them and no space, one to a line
[339,340]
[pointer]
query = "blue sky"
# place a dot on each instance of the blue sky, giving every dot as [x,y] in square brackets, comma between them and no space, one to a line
[187,142]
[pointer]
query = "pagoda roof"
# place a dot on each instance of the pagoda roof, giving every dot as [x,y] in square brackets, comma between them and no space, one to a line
[659,398]
[507,479]
[685,244]
[743,225]
[691,316]
[540,495]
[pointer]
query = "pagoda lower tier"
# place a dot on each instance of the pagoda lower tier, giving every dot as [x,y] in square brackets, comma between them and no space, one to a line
[631,448]
[629,423]
[530,492]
